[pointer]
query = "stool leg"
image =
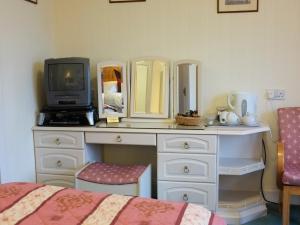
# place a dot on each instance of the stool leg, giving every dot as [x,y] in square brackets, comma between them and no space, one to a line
[286,206]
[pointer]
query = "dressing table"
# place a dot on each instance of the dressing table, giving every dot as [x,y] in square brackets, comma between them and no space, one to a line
[213,166]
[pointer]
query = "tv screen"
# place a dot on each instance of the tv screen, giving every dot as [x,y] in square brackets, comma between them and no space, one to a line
[67,82]
[66,77]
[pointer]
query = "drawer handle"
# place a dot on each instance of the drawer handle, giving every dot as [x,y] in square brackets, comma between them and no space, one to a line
[185,197]
[57,141]
[186,170]
[59,164]
[118,139]
[186,145]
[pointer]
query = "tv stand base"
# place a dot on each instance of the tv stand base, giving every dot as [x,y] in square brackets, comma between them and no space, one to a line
[79,116]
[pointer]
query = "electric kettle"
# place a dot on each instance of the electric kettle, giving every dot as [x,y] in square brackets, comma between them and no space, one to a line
[242,103]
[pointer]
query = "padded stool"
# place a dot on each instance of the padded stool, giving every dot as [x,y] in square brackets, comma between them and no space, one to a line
[132,180]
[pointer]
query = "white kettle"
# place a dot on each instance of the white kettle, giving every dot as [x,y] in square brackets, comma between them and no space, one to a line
[242,103]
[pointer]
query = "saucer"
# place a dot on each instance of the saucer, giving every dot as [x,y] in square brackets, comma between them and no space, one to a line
[252,124]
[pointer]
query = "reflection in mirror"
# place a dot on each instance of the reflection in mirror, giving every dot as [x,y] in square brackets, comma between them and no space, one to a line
[187,86]
[150,88]
[112,89]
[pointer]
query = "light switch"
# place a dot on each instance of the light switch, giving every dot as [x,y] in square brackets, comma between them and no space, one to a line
[275,94]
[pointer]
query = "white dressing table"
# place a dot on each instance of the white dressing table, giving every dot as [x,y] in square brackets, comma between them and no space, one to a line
[192,165]
[218,167]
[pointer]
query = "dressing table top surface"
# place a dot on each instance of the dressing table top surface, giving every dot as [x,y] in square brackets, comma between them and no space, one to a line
[160,128]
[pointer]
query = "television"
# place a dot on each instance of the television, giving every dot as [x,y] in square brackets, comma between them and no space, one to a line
[67,82]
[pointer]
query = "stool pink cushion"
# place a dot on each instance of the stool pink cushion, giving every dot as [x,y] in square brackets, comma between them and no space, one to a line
[289,126]
[103,173]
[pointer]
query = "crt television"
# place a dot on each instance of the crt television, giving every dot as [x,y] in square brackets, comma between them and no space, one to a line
[67,82]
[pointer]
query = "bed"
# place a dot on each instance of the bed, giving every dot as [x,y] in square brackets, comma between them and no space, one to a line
[36,204]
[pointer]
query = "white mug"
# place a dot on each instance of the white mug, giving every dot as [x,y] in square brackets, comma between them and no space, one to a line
[223,117]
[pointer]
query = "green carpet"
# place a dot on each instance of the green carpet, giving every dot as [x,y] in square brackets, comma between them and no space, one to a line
[274,217]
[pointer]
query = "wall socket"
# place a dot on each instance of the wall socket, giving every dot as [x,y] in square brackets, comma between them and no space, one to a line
[275,94]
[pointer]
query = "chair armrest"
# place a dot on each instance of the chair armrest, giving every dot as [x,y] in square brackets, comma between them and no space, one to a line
[280,163]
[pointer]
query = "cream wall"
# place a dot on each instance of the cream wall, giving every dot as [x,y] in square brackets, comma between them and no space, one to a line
[26,39]
[245,51]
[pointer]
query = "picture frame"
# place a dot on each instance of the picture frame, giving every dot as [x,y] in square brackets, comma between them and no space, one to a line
[237,6]
[125,1]
[32,1]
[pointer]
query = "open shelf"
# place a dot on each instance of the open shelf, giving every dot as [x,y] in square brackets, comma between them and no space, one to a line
[239,207]
[239,166]
[239,199]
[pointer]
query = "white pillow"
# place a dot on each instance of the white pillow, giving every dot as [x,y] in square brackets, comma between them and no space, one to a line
[113,99]
[110,87]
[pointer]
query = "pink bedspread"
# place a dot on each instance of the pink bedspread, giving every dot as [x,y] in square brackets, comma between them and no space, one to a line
[33,204]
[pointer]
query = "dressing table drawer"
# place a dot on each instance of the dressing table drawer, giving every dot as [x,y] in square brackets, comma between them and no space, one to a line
[58,139]
[187,143]
[197,193]
[58,161]
[121,138]
[186,167]
[56,180]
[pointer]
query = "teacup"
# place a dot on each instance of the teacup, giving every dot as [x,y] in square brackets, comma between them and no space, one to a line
[233,119]
[229,118]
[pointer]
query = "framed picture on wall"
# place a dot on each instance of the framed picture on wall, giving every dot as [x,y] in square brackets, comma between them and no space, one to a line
[32,1]
[237,6]
[123,1]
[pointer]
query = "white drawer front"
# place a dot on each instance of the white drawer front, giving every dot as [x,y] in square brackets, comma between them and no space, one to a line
[186,167]
[187,143]
[57,139]
[121,138]
[56,180]
[58,161]
[197,193]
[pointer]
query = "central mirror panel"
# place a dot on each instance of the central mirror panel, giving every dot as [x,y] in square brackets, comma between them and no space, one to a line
[112,89]
[187,86]
[150,88]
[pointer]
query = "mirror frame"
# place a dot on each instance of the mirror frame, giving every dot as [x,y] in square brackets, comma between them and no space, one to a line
[124,90]
[167,101]
[176,83]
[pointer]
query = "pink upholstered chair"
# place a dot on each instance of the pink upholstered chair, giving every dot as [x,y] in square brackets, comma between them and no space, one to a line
[288,164]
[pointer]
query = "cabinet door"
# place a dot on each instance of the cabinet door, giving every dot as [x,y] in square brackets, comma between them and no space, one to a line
[187,143]
[197,193]
[58,161]
[56,180]
[58,139]
[186,167]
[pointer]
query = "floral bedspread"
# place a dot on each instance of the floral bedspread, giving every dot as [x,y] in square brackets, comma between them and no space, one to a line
[35,204]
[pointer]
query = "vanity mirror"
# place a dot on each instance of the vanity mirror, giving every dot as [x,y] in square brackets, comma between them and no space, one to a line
[112,89]
[150,88]
[187,86]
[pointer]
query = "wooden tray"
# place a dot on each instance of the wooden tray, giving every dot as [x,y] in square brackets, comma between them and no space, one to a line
[188,121]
